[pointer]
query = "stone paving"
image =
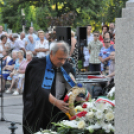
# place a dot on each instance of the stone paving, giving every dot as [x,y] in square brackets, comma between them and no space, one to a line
[12,112]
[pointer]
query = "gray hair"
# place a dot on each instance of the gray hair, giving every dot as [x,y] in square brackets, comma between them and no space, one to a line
[22,52]
[60,45]
[14,51]
[15,35]
[29,52]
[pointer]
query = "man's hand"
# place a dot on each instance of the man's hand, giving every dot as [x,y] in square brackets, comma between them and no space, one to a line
[59,103]
[62,106]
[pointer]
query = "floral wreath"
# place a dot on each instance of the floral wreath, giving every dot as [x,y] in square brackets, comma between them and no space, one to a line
[71,97]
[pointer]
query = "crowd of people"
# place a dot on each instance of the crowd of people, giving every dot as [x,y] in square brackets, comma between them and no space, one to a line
[99,53]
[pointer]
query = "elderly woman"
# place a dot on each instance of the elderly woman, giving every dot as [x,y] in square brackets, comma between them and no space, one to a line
[21,74]
[16,67]
[8,68]
[42,46]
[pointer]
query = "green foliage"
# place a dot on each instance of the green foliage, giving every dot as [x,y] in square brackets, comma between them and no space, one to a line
[112,9]
[68,130]
[92,12]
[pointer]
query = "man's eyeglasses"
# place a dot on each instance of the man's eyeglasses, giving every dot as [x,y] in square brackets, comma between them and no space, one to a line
[95,35]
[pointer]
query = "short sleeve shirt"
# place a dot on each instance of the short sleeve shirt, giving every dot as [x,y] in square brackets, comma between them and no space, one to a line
[112,48]
[44,45]
[94,47]
[30,46]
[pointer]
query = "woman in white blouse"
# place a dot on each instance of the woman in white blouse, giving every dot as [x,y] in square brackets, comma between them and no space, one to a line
[42,46]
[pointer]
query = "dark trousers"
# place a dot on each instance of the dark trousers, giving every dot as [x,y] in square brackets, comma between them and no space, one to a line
[94,67]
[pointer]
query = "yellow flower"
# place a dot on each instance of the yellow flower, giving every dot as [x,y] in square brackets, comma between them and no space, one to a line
[81,124]
[79,108]
[109,116]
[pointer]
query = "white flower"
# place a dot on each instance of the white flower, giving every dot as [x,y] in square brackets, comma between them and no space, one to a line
[79,108]
[38,133]
[101,106]
[72,123]
[109,116]
[111,127]
[89,115]
[91,129]
[111,92]
[100,123]
[99,114]
[81,124]
[106,128]
[93,109]
[97,126]
[109,110]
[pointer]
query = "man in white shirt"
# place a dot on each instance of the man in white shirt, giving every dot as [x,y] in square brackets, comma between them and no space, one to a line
[42,46]
[17,43]
[22,38]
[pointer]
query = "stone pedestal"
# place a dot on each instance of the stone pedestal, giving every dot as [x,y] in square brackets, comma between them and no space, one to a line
[124,79]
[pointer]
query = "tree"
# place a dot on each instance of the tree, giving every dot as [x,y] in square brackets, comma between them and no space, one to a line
[85,12]
[112,9]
